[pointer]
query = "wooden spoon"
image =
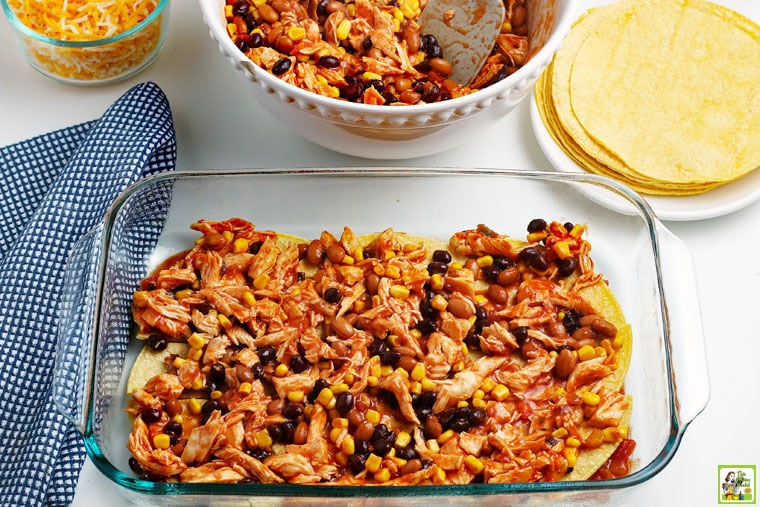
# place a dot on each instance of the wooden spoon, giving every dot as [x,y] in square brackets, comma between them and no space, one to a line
[466,30]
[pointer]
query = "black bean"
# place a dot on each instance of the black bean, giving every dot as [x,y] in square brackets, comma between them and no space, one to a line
[288,430]
[332,295]
[356,463]
[390,357]
[459,425]
[521,334]
[209,406]
[136,466]
[361,447]
[255,247]
[502,262]
[281,66]
[258,453]
[174,430]
[472,339]
[344,403]
[539,262]
[568,226]
[478,416]
[275,432]
[566,267]
[256,40]
[431,93]
[426,326]
[150,415]
[490,273]
[367,44]
[217,373]
[377,348]
[157,342]
[328,62]
[240,8]
[427,399]
[299,363]
[381,430]
[427,310]
[442,256]
[377,84]
[292,411]
[258,371]
[527,254]
[423,414]
[267,354]
[406,453]
[536,225]
[571,320]
[382,447]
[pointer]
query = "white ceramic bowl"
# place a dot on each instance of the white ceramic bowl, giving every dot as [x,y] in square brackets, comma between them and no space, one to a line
[383,132]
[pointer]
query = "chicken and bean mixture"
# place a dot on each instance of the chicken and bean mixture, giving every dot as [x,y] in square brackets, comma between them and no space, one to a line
[367,51]
[387,359]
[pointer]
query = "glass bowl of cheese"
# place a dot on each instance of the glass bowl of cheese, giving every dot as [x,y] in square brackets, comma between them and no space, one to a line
[85,42]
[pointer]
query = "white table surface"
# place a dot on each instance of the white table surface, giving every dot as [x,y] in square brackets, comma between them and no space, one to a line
[218,126]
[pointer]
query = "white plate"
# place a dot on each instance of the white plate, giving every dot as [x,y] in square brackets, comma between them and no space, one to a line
[719,201]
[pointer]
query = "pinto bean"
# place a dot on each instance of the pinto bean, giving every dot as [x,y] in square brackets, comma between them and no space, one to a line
[461,308]
[301,434]
[519,16]
[584,333]
[343,328]
[411,34]
[268,14]
[433,427]
[315,252]
[604,328]
[565,363]
[498,294]
[509,276]
[336,253]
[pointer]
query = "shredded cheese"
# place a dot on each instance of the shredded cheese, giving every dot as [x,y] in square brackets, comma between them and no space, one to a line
[86,20]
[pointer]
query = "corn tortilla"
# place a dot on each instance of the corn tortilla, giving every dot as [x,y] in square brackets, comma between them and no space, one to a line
[661,94]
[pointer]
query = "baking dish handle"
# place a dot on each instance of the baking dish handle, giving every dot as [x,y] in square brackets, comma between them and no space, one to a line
[74,359]
[687,342]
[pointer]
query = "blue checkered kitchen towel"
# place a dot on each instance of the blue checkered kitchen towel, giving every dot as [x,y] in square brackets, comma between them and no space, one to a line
[55,188]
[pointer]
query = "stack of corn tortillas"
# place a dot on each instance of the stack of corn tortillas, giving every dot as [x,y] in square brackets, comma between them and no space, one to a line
[663,95]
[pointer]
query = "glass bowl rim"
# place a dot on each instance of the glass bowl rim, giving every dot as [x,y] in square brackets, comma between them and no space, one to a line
[20,27]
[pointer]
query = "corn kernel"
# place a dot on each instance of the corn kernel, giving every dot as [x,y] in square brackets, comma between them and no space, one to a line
[339,388]
[534,237]
[571,454]
[350,377]
[500,392]
[439,475]
[340,422]
[445,436]
[399,291]
[224,321]
[418,372]
[386,370]
[484,261]
[281,370]
[162,441]
[478,394]
[393,271]
[488,385]
[562,249]
[195,355]
[577,230]
[348,445]
[559,433]
[249,298]
[325,396]
[263,439]
[196,341]
[178,361]
[428,384]
[334,91]
[372,416]
[480,300]
[403,439]
[415,387]
[296,33]
[590,398]
[335,434]
[403,372]
[388,254]
[436,282]
[465,349]
[232,30]
[296,396]
[473,464]
[372,380]
[182,294]
[228,11]
[586,352]
[382,475]
[240,245]
[373,462]
[378,269]
[618,341]
[432,445]
[198,384]
[439,302]
[215,394]
[600,351]
[178,418]
[343,29]
[245,388]
[408,11]
[194,406]
[479,403]
[572,442]
[456,266]
[261,281]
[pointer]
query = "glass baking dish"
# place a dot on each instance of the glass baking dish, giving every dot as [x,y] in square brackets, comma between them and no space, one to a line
[648,268]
